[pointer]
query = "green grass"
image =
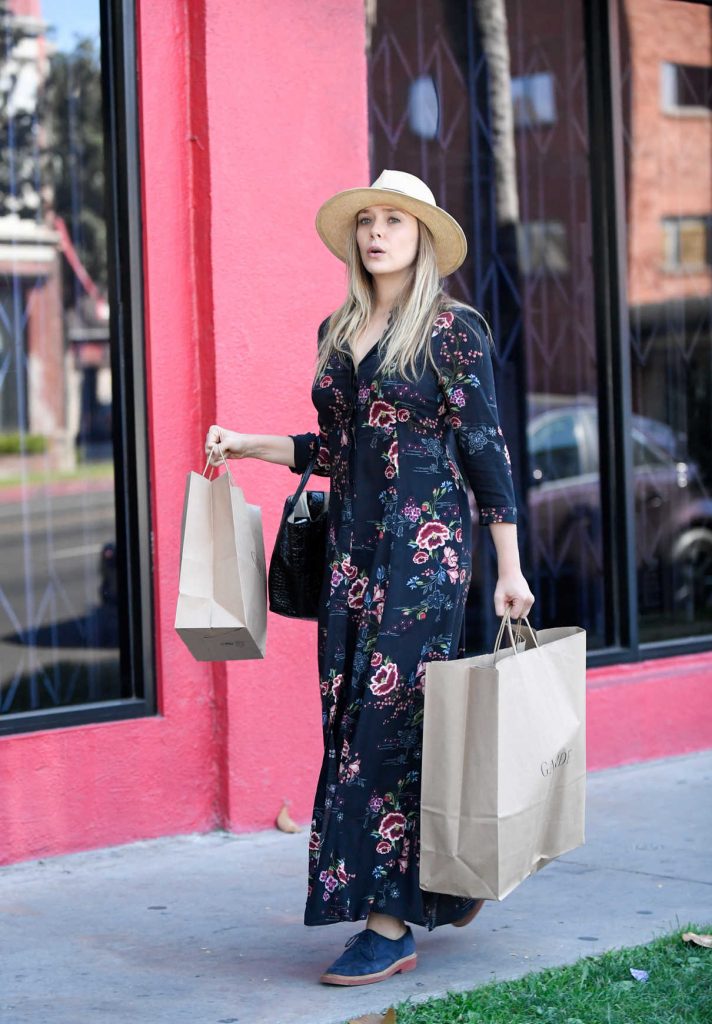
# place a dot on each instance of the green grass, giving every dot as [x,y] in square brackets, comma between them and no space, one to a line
[594,990]
[87,471]
[13,444]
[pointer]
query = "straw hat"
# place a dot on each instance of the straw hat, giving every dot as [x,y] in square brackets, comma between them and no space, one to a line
[336,216]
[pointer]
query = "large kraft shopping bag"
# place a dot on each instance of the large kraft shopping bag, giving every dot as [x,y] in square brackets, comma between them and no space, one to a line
[221,614]
[504,763]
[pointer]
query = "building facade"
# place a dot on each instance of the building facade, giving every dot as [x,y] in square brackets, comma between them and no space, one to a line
[161,272]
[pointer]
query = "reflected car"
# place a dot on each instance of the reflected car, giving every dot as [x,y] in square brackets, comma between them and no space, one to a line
[673,512]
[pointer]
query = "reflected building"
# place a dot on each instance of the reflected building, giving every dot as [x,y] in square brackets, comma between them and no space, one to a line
[494,103]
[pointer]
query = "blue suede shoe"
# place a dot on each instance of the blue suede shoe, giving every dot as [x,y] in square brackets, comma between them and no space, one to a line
[371,957]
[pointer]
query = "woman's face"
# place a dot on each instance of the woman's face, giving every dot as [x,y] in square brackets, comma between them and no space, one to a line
[387,239]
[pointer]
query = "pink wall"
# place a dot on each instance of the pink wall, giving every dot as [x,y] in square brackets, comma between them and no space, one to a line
[228,744]
[284,136]
[88,786]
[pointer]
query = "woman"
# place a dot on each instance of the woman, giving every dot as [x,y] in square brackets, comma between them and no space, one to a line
[403,390]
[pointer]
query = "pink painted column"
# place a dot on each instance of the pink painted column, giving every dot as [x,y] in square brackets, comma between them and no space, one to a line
[288,127]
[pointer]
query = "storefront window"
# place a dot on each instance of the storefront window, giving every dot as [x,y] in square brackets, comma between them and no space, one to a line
[509,160]
[666,73]
[61,562]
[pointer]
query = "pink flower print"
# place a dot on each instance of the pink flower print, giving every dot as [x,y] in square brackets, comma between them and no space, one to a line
[323,876]
[341,872]
[506,455]
[375,803]
[403,415]
[392,825]
[336,685]
[420,556]
[432,535]
[356,592]
[393,453]
[444,320]
[336,578]
[463,574]
[314,841]
[458,397]
[411,511]
[323,459]
[450,557]
[454,575]
[376,659]
[363,393]
[350,571]
[458,535]
[331,883]
[390,472]
[381,414]
[383,847]
[455,422]
[326,897]
[384,680]
[326,382]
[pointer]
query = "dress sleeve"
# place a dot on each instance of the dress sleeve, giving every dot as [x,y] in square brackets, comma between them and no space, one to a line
[306,444]
[462,354]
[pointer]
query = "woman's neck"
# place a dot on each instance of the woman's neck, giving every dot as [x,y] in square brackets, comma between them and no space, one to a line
[386,289]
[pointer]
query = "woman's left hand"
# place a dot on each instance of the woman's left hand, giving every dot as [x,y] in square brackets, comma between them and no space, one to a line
[512,589]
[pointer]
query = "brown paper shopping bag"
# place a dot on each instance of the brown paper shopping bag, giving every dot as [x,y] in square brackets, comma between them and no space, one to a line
[221,613]
[504,763]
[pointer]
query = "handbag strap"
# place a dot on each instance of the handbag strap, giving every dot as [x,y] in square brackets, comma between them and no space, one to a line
[292,502]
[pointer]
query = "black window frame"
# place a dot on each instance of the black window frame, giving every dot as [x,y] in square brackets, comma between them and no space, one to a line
[609,241]
[615,423]
[134,535]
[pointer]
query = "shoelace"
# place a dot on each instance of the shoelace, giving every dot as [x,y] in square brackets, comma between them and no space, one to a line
[366,938]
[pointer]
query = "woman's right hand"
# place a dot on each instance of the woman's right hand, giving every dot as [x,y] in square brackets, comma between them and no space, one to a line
[231,444]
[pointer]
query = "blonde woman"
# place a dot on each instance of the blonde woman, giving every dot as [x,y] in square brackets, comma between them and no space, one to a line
[405,397]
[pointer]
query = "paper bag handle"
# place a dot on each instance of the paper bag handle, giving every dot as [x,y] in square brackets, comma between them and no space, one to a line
[507,622]
[212,468]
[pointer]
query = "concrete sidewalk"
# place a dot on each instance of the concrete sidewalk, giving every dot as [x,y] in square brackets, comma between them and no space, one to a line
[208,929]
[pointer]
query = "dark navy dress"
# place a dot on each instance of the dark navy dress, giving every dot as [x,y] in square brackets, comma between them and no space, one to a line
[398,571]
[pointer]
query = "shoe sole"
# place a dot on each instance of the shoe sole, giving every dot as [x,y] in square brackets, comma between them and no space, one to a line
[470,915]
[406,963]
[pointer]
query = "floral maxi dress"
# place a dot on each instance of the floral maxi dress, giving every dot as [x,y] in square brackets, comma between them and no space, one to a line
[399,551]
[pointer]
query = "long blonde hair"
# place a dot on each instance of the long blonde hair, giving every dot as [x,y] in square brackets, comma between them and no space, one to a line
[407,337]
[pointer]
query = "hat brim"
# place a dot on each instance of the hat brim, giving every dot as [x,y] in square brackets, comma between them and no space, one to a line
[335,219]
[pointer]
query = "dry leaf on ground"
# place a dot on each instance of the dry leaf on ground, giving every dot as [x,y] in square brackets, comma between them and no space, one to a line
[700,940]
[284,821]
[389,1017]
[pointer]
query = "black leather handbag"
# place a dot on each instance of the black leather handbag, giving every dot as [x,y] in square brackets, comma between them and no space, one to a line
[298,562]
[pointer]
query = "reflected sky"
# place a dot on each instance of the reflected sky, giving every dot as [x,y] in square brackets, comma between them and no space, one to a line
[67,20]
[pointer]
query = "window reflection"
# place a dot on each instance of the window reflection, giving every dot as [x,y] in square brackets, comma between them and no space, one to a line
[58,608]
[510,162]
[668,185]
